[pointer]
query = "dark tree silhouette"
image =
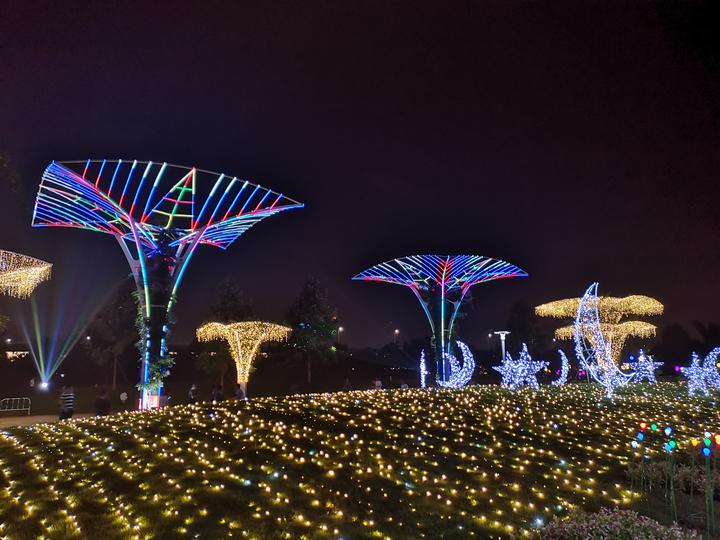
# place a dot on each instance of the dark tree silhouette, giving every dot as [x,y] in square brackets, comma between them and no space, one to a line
[314,324]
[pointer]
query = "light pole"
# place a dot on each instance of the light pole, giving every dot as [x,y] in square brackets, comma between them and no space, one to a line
[340,331]
[395,336]
[502,334]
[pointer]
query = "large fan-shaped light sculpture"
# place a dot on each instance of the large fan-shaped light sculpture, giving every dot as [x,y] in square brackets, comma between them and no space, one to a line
[20,274]
[612,312]
[440,283]
[159,214]
[244,339]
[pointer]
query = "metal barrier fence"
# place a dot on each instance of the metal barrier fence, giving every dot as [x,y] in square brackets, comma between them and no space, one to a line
[15,404]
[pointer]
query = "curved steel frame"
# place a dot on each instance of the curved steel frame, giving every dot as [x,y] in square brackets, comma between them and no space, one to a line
[159,214]
[440,283]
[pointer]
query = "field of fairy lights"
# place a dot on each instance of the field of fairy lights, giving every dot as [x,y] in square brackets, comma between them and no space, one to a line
[478,462]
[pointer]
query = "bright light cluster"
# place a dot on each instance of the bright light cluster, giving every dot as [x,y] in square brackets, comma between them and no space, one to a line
[244,339]
[702,377]
[20,274]
[611,312]
[459,376]
[612,309]
[645,368]
[479,462]
[521,372]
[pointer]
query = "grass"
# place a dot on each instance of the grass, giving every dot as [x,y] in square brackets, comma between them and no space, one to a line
[479,462]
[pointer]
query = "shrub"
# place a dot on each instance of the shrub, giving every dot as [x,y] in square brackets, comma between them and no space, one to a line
[612,524]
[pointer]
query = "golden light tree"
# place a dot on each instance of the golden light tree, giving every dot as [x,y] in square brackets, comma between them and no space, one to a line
[244,340]
[613,313]
[20,274]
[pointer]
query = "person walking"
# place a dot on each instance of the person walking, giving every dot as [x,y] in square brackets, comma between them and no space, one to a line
[67,403]
[102,404]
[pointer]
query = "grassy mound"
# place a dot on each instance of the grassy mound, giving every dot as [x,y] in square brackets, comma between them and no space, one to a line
[479,462]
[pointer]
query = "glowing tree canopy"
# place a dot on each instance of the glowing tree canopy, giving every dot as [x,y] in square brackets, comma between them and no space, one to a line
[159,214]
[440,283]
[244,339]
[20,274]
[593,350]
[612,312]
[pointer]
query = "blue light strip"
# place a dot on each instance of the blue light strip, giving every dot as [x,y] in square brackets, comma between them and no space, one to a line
[152,191]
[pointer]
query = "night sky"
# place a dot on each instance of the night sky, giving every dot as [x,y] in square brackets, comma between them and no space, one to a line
[581,143]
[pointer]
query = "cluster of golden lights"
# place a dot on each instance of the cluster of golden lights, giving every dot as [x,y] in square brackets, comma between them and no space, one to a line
[480,462]
[612,311]
[244,340]
[20,274]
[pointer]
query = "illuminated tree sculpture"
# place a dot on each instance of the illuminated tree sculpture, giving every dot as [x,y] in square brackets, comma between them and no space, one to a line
[244,339]
[613,312]
[20,274]
[159,214]
[440,283]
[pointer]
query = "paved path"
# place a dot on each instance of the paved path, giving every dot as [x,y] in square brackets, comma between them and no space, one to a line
[12,421]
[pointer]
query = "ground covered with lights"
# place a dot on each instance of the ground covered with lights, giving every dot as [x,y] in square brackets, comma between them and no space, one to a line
[478,462]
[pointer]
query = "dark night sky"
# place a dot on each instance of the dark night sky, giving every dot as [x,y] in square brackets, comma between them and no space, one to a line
[578,140]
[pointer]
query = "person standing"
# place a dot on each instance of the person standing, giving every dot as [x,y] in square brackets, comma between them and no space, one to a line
[217,393]
[240,392]
[193,394]
[102,404]
[67,403]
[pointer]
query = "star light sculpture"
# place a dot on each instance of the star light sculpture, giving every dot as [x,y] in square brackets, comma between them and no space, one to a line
[645,368]
[521,372]
[159,214]
[593,351]
[703,376]
[440,283]
[564,370]
[612,314]
[459,376]
[20,274]
[244,339]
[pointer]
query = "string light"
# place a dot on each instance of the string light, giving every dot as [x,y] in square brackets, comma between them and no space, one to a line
[564,370]
[520,372]
[20,274]
[396,464]
[459,376]
[423,369]
[645,368]
[244,339]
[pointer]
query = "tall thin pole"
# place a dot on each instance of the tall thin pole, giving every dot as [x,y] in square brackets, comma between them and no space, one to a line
[502,334]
